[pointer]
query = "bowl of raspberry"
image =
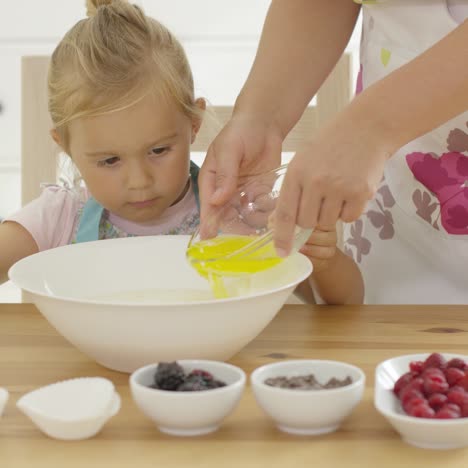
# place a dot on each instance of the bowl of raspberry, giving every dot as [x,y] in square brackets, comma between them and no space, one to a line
[187,397]
[425,398]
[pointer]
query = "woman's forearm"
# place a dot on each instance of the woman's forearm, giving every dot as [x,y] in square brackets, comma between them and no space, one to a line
[301,42]
[419,96]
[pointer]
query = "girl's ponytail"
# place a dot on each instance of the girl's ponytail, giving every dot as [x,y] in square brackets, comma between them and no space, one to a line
[93,5]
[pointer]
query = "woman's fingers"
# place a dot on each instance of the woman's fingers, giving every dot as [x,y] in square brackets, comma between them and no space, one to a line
[330,211]
[286,215]
[352,209]
[217,184]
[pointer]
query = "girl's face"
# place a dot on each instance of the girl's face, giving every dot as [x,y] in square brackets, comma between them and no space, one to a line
[135,162]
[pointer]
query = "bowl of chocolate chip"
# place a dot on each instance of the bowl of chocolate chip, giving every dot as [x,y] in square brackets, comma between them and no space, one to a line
[306,396]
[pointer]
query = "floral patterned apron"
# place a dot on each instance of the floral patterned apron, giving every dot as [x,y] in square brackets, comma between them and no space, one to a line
[412,242]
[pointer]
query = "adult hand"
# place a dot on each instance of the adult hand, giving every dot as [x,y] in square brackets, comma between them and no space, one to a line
[332,176]
[246,146]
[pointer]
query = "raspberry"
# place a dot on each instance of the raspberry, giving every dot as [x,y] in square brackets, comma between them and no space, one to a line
[448,412]
[437,400]
[204,374]
[412,402]
[422,410]
[409,393]
[457,363]
[457,388]
[458,397]
[433,371]
[404,380]
[464,410]
[416,366]
[434,383]
[435,360]
[417,384]
[453,407]
[463,382]
[453,375]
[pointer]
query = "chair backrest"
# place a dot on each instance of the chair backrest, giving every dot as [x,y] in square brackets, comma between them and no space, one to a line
[39,153]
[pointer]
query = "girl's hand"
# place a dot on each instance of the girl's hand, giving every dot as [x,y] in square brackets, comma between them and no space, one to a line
[336,278]
[321,249]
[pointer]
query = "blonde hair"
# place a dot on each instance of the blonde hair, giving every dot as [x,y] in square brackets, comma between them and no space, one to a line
[111,60]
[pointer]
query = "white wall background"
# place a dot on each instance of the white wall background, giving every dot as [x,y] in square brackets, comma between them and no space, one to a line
[220,38]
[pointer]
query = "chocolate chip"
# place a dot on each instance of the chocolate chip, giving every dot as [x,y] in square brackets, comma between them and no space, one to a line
[306,382]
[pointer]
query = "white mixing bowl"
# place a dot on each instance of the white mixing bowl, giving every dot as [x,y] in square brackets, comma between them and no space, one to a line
[134,301]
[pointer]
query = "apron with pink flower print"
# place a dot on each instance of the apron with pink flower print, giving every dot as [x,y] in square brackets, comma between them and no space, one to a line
[411,244]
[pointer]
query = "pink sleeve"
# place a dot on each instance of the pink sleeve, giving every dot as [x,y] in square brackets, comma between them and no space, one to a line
[51,218]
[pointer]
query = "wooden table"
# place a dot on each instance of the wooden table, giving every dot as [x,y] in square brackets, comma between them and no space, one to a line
[32,354]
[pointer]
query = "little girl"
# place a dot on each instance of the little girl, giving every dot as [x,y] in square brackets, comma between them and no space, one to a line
[121,99]
[122,103]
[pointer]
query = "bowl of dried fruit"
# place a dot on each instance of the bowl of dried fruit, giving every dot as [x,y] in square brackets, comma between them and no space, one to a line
[187,397]
[308,397]
[425,398]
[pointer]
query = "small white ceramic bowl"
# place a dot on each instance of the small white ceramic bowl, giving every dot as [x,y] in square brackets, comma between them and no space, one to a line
[73,409]
[308,412]
[133,301]
[3,399]
[189,413]
[420,432]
